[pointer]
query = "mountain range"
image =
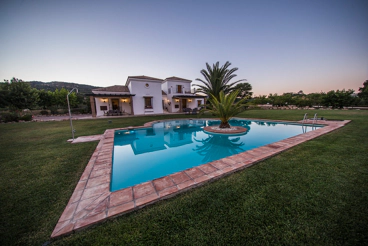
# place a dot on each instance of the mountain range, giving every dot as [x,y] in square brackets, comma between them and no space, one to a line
[53,85]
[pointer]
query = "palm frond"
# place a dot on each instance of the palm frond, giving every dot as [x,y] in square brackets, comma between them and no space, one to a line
[217,78]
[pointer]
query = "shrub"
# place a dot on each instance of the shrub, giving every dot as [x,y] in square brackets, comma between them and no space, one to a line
[54,110]
[79,111]
[27,117]
[9,117]
[44,112]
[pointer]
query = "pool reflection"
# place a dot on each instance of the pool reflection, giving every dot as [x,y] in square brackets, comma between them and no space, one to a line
[167,147]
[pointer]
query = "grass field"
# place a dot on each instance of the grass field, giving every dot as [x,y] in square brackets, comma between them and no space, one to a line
[314,194]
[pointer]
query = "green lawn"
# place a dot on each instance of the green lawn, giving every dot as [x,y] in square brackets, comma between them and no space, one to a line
[314,194]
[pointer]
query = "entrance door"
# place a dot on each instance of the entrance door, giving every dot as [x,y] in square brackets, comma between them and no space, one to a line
[184,103]
[115,104]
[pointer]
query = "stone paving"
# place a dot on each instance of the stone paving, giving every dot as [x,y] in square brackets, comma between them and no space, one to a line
[92,202]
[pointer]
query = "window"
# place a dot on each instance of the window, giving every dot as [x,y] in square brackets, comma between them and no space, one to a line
[148,102]
[103,108]
[169,90]
[199,103]
[179,89]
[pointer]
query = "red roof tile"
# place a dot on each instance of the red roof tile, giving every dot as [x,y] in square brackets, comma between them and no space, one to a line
[177,78]
[114,88]
[143,77]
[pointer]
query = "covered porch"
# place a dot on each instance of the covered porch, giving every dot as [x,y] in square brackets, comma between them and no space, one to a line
[186,103]
[111,104]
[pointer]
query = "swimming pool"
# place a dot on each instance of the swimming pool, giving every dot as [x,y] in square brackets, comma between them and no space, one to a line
[167,147]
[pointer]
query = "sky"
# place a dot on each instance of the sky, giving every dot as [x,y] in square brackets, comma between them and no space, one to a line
[278,45]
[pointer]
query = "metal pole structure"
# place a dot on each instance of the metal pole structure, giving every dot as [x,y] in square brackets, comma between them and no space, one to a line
[70,114]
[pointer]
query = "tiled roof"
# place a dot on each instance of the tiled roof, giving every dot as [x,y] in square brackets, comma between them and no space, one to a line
[143,77]
[114,88]
[177,78]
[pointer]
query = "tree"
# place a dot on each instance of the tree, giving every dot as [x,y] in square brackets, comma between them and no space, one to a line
[4,94]
[20,94]
[60,98]
[225,107]
[338,99]
[217,79]
[244,90]
[46,98]
[261,99]
[363,91]
[316,98]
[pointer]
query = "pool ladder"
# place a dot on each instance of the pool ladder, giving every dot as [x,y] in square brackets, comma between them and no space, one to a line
[314,119]
[305,118]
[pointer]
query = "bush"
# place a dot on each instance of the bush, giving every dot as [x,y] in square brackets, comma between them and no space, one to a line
[54,110]
[9,117]
[44,112]
[27,117]
[79,110]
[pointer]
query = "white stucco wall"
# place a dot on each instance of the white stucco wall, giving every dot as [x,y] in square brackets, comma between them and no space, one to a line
[171,84]
[138,87]
[99,102]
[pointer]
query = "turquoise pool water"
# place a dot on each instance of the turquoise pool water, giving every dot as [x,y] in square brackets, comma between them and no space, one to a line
[171,146]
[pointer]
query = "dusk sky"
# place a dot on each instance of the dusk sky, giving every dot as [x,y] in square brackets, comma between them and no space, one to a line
[279,46]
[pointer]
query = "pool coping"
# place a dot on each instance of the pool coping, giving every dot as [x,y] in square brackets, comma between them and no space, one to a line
[92,202]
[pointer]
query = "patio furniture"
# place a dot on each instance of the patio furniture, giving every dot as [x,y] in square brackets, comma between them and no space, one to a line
[113,112]
[194,111]
[187,110]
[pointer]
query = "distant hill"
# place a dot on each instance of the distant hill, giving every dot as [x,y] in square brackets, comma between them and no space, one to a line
[53,85]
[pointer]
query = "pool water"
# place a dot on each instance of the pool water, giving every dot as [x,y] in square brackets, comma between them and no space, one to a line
[171,146]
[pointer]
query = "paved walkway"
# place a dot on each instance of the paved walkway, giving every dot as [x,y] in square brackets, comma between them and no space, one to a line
[85,117]
[92,202]
[61,117]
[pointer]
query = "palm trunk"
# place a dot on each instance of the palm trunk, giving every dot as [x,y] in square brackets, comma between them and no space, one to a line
[224,124]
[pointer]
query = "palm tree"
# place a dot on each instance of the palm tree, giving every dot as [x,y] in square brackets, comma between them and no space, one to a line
[217,79]
[224,107]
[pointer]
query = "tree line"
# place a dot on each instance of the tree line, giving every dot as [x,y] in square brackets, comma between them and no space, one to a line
[333,99]
[17,94]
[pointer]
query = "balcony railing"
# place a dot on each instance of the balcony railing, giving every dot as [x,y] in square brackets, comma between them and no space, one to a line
[181,92]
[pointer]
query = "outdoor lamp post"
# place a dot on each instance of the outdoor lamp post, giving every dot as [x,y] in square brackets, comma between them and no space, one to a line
[70,114]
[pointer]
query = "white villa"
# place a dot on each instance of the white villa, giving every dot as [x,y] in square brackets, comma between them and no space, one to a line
[145,95]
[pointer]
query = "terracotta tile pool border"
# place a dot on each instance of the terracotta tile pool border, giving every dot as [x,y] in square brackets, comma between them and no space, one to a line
[92,202]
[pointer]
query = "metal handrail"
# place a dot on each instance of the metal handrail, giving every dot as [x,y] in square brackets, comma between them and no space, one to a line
[314,120]
[305,117]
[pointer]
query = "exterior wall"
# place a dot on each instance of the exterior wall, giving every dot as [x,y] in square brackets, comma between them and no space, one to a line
[165,102]
[185,87]
[93,106]
[167,98]
[138,87]
[126,105]
[198,102]
[99,102]
[175,105]
[170,87]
